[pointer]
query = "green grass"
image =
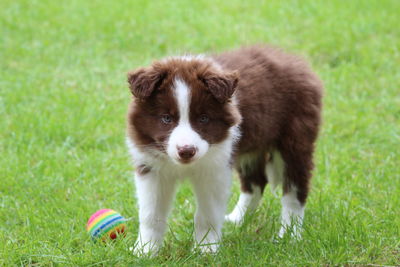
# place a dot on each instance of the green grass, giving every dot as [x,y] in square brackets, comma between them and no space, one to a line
[63,99]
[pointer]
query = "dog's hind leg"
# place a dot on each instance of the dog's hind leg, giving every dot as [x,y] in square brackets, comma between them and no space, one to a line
[297,175]
[251,171]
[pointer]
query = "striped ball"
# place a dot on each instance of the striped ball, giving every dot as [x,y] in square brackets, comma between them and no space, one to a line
[105,223]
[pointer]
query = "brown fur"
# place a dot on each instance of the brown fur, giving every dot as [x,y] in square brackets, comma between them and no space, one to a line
[144,119]
[280,102]
[211,92]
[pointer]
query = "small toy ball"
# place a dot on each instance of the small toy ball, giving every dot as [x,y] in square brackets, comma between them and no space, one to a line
[106,224]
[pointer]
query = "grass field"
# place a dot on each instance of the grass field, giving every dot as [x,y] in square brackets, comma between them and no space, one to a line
[63,99]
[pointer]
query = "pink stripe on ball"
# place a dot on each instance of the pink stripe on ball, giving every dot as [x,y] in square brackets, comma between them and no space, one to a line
[96,214]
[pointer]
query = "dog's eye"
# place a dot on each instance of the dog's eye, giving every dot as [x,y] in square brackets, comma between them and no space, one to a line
[203,118]
[166,118]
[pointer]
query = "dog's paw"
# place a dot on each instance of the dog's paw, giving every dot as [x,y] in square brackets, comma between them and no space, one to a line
[148,249]
[295,232]
[206,248]
[234,218]
[209,249]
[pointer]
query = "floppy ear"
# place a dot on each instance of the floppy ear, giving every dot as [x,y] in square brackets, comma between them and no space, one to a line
[221,85]
[144,81]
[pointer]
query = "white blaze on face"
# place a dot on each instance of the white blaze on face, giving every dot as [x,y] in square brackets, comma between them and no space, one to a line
[183,135]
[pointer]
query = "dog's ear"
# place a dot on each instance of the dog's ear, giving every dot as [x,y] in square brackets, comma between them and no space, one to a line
[144,81]
[221,85]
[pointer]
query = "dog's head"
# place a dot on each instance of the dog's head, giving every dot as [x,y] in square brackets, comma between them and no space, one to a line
[182,107]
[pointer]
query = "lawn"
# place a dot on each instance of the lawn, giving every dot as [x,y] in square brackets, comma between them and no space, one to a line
[63,99]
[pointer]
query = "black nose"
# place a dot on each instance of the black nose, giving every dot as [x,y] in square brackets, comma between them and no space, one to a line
[186,152]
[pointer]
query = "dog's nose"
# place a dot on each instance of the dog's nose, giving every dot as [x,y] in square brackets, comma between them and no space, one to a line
[186,152]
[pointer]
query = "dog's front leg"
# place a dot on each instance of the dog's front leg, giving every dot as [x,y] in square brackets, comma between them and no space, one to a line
[212,192]
[154,193]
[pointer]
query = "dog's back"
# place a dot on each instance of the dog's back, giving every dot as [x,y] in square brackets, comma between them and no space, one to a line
[274,90]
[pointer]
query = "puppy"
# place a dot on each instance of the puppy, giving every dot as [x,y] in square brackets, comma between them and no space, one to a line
[255,109]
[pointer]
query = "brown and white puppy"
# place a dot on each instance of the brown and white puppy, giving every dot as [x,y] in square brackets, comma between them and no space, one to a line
[255,109]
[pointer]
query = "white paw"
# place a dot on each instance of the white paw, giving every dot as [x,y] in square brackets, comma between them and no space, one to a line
[234,218]
[295,232]
[145,249]
[207,248]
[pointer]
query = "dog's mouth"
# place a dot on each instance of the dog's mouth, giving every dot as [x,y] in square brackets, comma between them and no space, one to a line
[182,161]
[185,161]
